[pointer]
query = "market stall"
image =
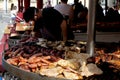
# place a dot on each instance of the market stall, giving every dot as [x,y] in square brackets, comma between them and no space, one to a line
[34,59]
[62,61]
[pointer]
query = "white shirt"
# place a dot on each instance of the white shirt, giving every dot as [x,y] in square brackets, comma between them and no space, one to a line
[13,13]
[65,9]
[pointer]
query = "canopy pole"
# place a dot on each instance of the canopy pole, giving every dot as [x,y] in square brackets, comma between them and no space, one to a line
[91,27]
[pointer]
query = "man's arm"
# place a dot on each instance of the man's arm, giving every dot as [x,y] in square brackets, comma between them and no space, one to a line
[64,30]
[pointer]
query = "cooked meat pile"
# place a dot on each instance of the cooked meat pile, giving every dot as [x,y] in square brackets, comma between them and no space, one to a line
[66,59]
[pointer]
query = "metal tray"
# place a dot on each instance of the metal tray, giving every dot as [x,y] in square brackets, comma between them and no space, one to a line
[24,75]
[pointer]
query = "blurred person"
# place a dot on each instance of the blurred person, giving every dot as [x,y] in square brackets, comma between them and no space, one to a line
[112,15]
[116,13]
[83,15]
[65,9]
[54,25]
[12,6]
[50,26]
[13,13]
[99,12]
[47,4]
[31,15]
[19,15]
[78,9]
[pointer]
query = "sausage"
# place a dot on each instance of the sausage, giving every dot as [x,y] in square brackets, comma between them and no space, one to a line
[34,65]
[45,61]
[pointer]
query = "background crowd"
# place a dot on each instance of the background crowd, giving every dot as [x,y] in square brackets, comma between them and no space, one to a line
[54,22]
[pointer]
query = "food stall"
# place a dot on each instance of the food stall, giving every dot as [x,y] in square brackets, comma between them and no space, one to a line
[35,59]
[59,60]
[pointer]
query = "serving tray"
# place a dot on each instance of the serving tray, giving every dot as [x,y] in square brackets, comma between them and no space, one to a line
[24,75]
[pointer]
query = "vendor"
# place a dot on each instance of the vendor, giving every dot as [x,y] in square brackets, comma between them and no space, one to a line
[50,23]
[31,15]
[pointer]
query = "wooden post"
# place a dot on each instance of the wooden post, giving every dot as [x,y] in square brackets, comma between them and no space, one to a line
[20,4]
[26,4]
[39,4]
[91,27]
